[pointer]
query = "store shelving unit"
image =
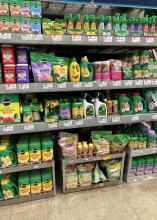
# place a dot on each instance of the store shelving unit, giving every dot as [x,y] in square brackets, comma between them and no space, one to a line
[136,153]
[65,162]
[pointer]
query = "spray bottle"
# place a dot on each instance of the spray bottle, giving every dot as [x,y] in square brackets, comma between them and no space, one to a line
[88,106]
[100,105]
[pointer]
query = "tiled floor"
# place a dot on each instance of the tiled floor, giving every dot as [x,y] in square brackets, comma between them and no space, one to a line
[136,201]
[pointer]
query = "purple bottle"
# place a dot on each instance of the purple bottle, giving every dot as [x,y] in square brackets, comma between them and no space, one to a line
[22,73]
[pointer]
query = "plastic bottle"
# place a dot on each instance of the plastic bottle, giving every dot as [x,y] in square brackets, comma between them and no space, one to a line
[151,139]
[146,26]
[152,28]
[86,24]
[88,106]
[100,24]
[108,25]
[65,109]
[139,28]
[100,105]
[91,149]
[74,70]
[9,187]
[77,108]
[7,157]
[131,26]
[79,150]
[86,70]
[139,104]
[78,24]
[123,25]
[85,150]
[125,105]
[92,24]
[116,25]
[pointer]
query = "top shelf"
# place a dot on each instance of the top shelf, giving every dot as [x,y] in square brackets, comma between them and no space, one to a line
[72,40]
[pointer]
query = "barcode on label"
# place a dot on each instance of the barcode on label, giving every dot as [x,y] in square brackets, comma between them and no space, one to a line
[76,38]
[5,36]
[24,86]
[47,86]
[28,127]
[107,39]
[8,128]
[57,38]
[11,87]
[61,85]
[136,39]
[92,38]
[120,39]
[115,119]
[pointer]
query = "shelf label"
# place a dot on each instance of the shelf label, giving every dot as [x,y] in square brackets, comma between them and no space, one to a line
[116,83]
[154,117]
[77,85]
[5,36]
[139,82]
[35,37]
[135,118]
[76,38]
[52,125]
[147,82]
[88,85]
[8,128]
[28,127]
[116,119]
[149,40]
[120,39]
[36,166]
[47,86]
[127,83]
[92,39]
[107,157]
[24,86]
[1,172]
[78,122]
[154,82]
[61,85]
[102,84]
[68,123]
[102,120]
[136,39]
[10,87]
[57,37]
[107,39]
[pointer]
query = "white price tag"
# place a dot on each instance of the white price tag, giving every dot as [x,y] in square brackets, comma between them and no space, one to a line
[78,122]
[86,159]
[127,83]
[8,128]
[37,37]
[102,120]
[107,39]
[36,166]
[154,82]
[117,83]
[92,39]
[27,37]
[68,123]
[120,39]
[88,85]
[136,39]
[5,36]
[77,85]
[116,119]
[11,87]
[154,117]
[0,172]
[28,127]
[139,82]
[52,125]
[135,118]
[147,82]
[102,84]
[57,37]
[76,38]
[24,86]
[149,40]
[47,86]
[61,85]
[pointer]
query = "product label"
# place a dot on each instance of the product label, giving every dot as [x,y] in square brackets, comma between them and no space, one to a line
[36,188]
[35,156]
[47,155]
[6,161]
[23,157]
[24,190]
[8,194]
[47,185]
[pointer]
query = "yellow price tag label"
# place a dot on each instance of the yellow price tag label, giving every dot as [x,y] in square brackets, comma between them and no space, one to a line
[107,157]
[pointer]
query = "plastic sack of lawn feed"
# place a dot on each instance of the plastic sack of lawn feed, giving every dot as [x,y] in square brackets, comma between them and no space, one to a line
[114,170]
[42,66]
[119,142]
[98,175]
[85,179]
[87,167]
[60,69]
[101,142]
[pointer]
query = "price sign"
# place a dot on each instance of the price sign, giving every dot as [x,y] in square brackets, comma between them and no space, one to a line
[135,118]
[102,120]
[116,119]
[68,123]
[107,39]
[36,166]
[28,127]
[52,125]
[154,117]
[8,128]
[61,85]
[116,83]
[93,39]
[88,85]
[10,87]
[47,86]
[147,82]
[127,83]
[136,39]
[27,37]
[76,38]
[102,84]
[120,39]
[139,82]
[5,36]
[154,82]
[57,38]
[149,40]
[78,123]
[37,37]
[24,86]
[107,157]
[77,85]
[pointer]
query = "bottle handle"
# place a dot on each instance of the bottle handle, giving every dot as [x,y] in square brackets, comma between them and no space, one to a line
[144,105]
[131,106]
[13,157]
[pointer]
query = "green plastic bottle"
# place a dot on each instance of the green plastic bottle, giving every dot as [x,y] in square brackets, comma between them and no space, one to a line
[24,183]
[100,24]
[35,181]
[116,24]
[108,25]
[78,24]
[92,24]
[7,157]
[69,23]
[153,25]
[64,109]
[85,24]
[146,26]
[125,105]
[86,70]
[77,108]
[9,187]
[123,25]
[47,180]
[139,104]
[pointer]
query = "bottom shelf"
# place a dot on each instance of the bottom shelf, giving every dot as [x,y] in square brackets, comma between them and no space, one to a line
[142,177]
[94,186]
[27,198]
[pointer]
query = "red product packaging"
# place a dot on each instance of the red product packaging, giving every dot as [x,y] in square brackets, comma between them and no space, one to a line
[9,72]
[8,56]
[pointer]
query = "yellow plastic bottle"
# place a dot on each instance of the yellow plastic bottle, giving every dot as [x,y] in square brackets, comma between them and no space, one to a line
[74,70]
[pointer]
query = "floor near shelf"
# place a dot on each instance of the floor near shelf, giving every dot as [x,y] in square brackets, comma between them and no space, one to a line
[135,201]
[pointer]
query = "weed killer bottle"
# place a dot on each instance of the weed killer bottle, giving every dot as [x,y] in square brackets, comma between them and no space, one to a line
[88,106]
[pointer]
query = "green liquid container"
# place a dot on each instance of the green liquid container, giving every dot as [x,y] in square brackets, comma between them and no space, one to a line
[77,108]
[64,109]
[139,104]
[86,70]
[125,105]
[9,187]
[7,157]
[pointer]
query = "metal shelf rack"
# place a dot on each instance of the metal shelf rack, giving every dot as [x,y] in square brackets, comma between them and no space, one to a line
[65,162]
[136,153]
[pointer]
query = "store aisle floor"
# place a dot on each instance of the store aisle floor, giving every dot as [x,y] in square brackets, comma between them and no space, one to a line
[136,201]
